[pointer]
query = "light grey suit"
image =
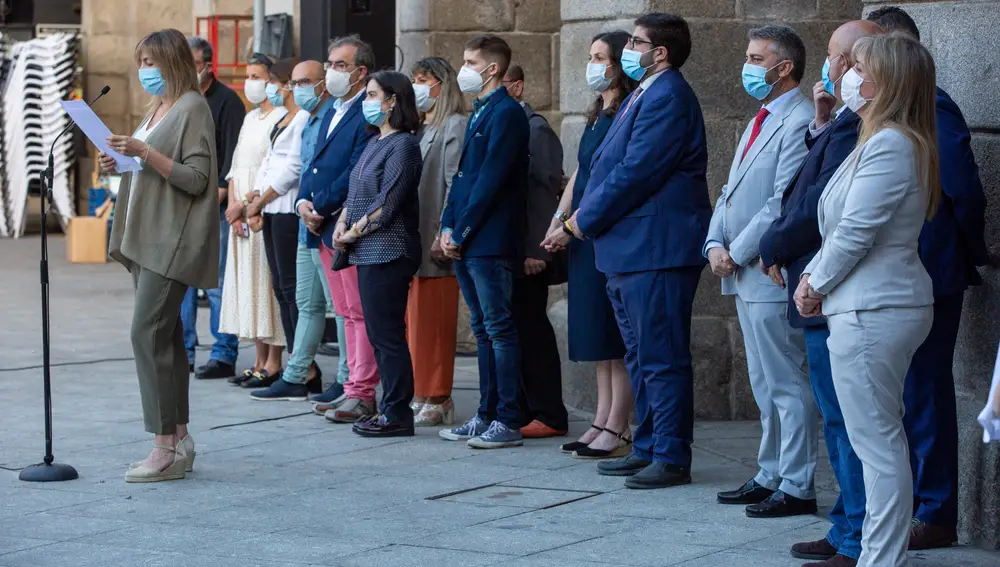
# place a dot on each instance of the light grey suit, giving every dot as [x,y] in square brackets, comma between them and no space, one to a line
[879,306]
[441,148]
[776,357]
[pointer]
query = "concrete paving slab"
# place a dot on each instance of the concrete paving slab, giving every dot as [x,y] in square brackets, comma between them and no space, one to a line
[415,556]
[519,497]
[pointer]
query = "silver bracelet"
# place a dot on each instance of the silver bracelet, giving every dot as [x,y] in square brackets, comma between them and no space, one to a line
[560,216]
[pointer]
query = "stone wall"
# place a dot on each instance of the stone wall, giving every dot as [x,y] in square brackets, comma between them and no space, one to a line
[719,29]
[962,36]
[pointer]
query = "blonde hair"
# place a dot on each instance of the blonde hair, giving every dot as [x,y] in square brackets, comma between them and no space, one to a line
[904,72]
[450,101]
[170,51]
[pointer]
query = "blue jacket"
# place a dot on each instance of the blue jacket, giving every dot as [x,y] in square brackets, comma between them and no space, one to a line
[793,238]
[326,182]
[486,204]
[646,205]
[952,243]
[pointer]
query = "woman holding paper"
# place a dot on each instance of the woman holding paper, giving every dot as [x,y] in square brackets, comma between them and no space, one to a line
[166,233]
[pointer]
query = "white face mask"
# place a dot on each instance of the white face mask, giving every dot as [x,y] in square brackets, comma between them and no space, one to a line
[256,90]
[425,101]
[203,74]
[596,79]
[471,81]
[338,83]
[850,90]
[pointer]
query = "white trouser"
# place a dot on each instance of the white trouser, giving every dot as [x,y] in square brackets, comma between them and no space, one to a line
[776,360]
[870,352]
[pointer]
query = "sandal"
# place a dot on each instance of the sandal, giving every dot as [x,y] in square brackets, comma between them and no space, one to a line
[261,379]
[240,379]
[432,415]
[624,448]
[575,445]
[173,471]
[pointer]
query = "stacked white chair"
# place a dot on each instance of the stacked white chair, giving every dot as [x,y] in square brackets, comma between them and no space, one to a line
[41,75]
[4,72]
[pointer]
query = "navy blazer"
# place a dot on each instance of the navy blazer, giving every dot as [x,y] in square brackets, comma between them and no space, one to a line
[952,243]
[646,205]
[325,183]
[793,238]
[486,204]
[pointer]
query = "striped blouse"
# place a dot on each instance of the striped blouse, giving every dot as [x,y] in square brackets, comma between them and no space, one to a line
[386,177]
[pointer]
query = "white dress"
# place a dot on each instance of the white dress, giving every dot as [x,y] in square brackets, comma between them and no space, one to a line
[249,308]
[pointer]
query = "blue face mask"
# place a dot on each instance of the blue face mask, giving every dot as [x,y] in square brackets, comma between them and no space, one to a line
[152,81]
[830,86]
[755,81]
[596,79]
[631,64]
[372,109]
[274,95]
[305,97]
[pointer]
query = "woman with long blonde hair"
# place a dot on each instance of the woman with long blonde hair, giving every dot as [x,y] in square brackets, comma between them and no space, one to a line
[166,233]
[867,278]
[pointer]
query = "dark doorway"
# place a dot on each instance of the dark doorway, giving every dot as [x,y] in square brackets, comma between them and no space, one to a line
[373,20]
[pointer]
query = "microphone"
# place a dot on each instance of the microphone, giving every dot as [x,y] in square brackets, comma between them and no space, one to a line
[50,172]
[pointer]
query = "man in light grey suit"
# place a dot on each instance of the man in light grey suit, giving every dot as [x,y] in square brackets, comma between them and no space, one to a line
[767,159]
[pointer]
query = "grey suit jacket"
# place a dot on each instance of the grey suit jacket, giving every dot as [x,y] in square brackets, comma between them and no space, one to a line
[544,182]
[441,149]
[171,227]
[870,216]
[751,200]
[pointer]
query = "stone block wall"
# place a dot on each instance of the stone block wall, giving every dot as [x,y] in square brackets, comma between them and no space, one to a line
[719,32]
[962,36]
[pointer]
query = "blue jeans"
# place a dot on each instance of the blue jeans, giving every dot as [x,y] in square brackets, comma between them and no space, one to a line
[487,285]
[226,347]
[312,298]
[848,514]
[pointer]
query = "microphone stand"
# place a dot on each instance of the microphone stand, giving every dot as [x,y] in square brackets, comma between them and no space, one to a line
[48,470]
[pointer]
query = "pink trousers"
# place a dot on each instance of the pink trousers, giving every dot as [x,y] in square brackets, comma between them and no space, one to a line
[360,354]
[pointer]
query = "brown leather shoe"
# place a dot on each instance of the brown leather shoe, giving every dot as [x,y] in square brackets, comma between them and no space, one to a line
[931,536]
[819,550]
[835,561]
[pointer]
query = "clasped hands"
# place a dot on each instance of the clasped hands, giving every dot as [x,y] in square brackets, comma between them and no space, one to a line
[807,300]
[344,237]
[236,213]
[556,239]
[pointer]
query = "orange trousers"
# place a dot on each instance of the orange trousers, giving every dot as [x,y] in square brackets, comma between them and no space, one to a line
[432,333]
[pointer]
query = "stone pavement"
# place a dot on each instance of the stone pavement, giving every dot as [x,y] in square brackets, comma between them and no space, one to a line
[273,487]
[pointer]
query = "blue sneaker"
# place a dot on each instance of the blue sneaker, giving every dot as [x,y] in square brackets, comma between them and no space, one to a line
[498,436]
[475,426]
[335,391]
[282,391]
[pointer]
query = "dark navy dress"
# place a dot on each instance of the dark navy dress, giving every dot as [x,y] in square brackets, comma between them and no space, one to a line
[593,329]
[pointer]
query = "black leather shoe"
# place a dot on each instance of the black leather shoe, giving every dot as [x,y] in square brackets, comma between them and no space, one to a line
[781,505]
[628,466]
[659,475]
[749,493]
[214,370]
[332,393]
[380,426]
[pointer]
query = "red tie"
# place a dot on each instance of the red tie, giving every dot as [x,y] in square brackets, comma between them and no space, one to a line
[631,101]
[757,123]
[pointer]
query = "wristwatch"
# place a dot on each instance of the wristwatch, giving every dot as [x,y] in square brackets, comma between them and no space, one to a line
[561,216]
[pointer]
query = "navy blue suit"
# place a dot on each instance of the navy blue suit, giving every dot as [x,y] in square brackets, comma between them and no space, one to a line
[791,242]
[647,209]
[325,182]
[486,213]
[951,246]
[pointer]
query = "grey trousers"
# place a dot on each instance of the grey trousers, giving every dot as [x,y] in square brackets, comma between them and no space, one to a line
[776,361]
[870,352]
[158,344]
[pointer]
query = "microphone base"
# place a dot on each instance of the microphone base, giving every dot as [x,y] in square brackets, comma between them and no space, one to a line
[56,472]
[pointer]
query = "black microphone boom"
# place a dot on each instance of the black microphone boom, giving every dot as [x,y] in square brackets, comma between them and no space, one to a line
[48,470]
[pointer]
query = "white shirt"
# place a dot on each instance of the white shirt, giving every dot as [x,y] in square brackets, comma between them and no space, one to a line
[777,105]
[340,109]
[141,134]
[282,166]
[989,420]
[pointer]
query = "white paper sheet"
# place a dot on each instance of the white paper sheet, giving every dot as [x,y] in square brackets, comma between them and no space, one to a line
[97,132]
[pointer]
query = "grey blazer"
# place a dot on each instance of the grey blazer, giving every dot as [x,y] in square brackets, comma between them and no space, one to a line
[441,150]
[172,225]
[870,216]
[751,200]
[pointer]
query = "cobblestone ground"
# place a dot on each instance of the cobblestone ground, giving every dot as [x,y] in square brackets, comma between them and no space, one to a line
[274,487]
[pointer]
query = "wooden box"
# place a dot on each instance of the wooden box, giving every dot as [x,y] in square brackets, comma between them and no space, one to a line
[87,240]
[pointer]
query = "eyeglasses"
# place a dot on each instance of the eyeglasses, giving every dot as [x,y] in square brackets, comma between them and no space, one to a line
[339,65]
[633,40]
[302,83]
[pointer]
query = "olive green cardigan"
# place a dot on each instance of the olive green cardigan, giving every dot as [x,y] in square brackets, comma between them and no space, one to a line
[172,226]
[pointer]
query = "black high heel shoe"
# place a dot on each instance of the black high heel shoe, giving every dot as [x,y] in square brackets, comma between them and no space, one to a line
[576,445]
[624,448]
